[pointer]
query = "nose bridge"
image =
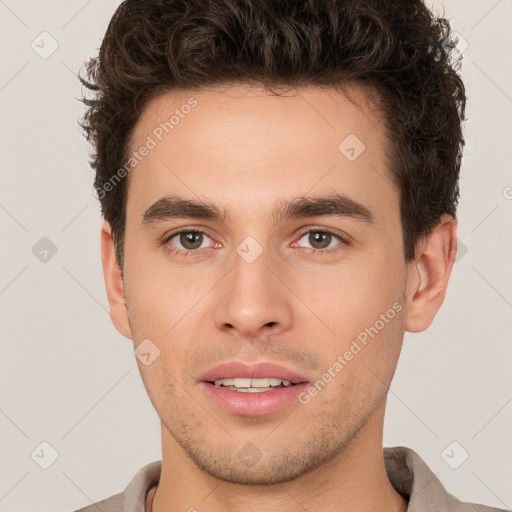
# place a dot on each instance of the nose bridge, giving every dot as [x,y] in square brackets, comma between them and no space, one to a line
[250,267]
[252,297]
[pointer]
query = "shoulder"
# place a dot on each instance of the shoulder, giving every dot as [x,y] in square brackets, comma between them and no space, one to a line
[133,498]
[411,477]
[113,504]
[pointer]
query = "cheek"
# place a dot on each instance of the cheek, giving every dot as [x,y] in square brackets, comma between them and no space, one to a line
[360,362]
[158,292]
[352,292]
[362,305]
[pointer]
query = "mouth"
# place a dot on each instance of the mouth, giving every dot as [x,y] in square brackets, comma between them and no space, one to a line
[243,376]
[253,390]
[246,385]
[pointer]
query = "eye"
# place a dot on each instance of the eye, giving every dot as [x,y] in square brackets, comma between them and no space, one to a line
[188,241]
[322,240]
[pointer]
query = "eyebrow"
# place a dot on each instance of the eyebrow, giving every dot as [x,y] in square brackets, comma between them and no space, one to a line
[334,205]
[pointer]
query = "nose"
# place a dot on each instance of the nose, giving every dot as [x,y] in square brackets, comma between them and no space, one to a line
[253,300]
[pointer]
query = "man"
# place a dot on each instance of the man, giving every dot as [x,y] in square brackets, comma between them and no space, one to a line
[279,183]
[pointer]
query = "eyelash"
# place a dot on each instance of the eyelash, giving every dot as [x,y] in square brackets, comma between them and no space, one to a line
[195,252]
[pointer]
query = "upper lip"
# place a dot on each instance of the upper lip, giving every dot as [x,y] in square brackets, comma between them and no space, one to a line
[251,371]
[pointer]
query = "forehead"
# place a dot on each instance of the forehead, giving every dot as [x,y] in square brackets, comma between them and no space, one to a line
[241,145]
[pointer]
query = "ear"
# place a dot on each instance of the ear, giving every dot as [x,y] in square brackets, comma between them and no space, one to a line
[114,282]
[429,274]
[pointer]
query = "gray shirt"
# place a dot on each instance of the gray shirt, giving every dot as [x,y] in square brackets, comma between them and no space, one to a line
[406,470]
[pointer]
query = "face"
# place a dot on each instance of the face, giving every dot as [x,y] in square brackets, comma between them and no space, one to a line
[320,289]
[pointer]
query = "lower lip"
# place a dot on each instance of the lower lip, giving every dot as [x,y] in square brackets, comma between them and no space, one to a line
[254,404]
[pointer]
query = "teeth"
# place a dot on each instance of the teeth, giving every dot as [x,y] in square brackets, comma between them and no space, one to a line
[252,383]
[242,383]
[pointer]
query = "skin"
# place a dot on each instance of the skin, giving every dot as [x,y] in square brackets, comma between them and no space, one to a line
[243,150]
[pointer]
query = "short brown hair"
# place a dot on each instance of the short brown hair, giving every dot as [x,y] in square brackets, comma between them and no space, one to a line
[399,48]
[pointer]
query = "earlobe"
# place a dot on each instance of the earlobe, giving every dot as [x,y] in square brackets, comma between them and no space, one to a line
[429,274]
[114,282]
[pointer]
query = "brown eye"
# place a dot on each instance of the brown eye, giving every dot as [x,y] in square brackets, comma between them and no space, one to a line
[319,239]
[191,240]
[187,240]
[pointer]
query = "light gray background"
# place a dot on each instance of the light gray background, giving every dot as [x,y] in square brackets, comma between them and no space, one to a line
[68,378]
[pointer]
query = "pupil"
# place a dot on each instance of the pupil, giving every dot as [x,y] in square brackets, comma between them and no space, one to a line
[313,238]
[188,238]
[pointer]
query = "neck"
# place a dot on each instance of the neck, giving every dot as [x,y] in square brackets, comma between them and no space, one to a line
[355,478]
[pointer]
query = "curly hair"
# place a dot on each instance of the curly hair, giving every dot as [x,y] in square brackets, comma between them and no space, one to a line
[400,49]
